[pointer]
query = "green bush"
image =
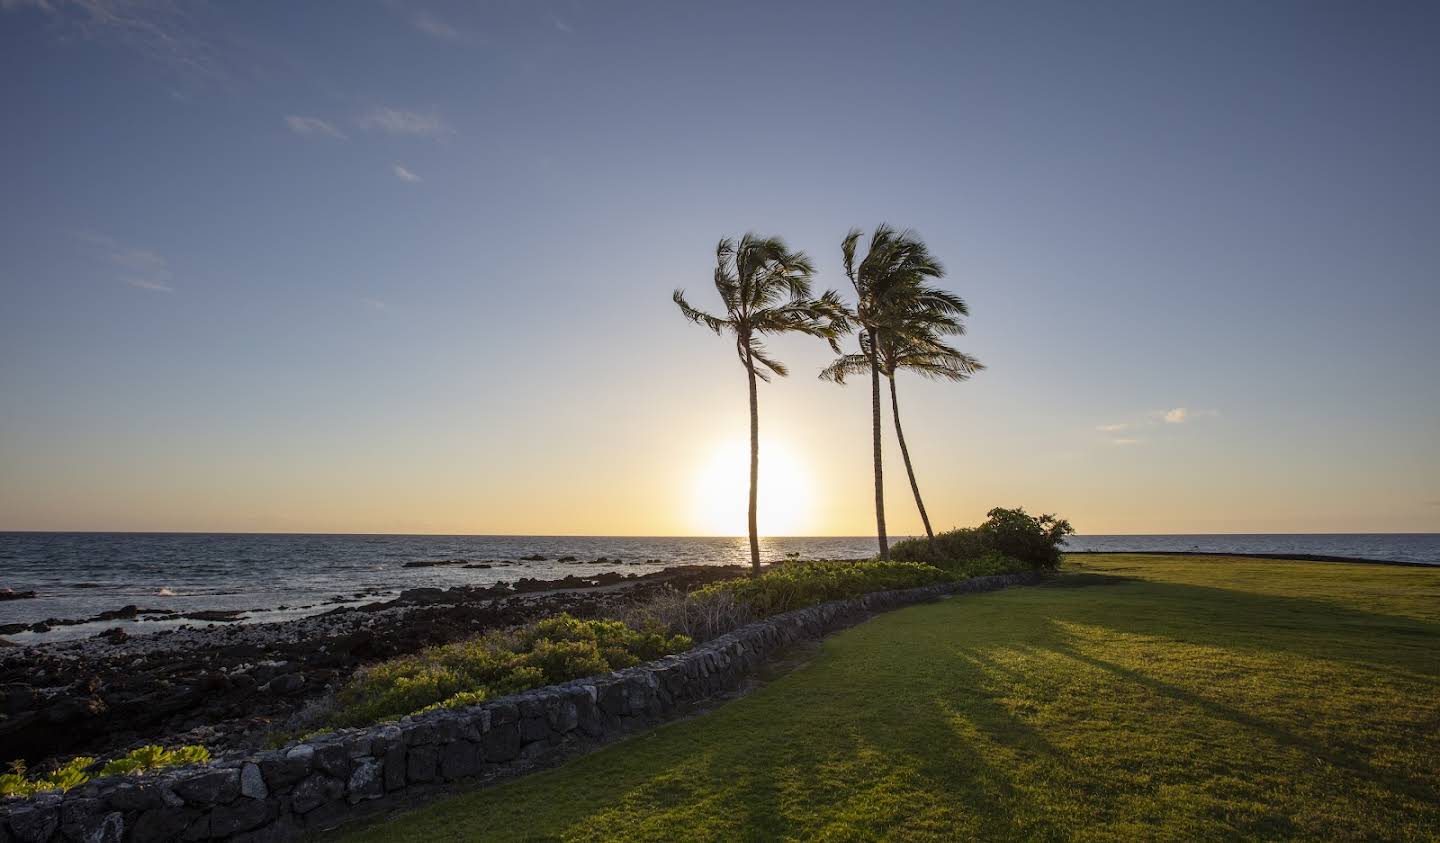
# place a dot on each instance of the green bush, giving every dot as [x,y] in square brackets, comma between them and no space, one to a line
[949,547]
[76,771]
[556,649]
[801,584]
[1033,541]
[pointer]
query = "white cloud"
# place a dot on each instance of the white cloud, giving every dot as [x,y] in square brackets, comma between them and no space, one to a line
[161,30]
[397,122]
[140,268]
[560,24]
[436,28]
[405,175]
[1150,420]
[373,304]
[309,127]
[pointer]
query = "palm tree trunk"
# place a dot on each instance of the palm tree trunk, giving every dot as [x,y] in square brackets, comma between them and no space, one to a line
[905,452]
[879,469]
[754,465]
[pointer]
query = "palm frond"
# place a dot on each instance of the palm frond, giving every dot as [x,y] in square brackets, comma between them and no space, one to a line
[952,367]
[844,366]
[714,323]
[759,354]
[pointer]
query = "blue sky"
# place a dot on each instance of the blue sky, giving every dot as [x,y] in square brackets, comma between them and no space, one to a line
[393,266]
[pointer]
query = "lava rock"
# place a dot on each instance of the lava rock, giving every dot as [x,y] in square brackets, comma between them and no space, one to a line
[287,683]
[210,787]
[241,815]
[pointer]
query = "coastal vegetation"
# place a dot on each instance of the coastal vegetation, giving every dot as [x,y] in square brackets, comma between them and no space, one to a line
[902,320]
[1014,534]
[553,650]
[765,288]
[81,769]
[1132,697]
[561,648]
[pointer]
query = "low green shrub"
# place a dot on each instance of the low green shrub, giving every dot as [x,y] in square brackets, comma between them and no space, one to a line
[698,615]
[556,649]
[79,770]
[1032,541]
[796,585]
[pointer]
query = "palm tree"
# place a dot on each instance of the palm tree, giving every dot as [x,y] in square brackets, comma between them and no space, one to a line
[892,273]
[919,350]
[765,288]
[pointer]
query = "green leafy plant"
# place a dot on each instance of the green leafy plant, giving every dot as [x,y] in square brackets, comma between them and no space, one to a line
[1031,541]
[807,583]
[555,649]
[79,770]
[152,757]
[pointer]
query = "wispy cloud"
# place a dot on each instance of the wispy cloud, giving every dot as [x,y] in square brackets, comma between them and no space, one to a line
[1181,415]
[161,30]
[1152,421]
[559,24]
[153,286]
[140,268]
[373,304]
[404,174]
[436,28]
[396,122]
[427,22]
[310,127]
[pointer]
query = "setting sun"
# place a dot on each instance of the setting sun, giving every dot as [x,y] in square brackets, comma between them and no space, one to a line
[722,489]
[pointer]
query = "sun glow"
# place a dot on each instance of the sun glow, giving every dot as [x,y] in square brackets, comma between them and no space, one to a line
[722,491]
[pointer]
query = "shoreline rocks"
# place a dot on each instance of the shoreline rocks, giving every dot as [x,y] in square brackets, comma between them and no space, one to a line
[310,787]
[226,685]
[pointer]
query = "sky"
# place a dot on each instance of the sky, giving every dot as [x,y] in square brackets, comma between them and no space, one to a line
[405,267]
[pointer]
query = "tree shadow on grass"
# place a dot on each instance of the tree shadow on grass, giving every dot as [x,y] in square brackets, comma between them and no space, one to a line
[1334,752]
[993,738]
[1222,617]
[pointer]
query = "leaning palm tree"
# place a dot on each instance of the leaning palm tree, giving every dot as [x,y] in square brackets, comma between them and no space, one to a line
[895,266]
[765,288]
[918,348]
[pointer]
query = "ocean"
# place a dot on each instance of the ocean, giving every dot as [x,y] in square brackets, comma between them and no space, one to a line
[276,576]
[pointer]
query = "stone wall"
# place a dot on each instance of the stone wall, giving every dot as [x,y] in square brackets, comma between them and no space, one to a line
[287,794]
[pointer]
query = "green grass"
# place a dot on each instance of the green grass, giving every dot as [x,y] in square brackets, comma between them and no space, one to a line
[1135,697]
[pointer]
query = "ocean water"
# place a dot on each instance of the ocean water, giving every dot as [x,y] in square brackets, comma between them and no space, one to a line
[78,575]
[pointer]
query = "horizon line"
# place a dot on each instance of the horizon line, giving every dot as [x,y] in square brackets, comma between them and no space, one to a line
[644,536]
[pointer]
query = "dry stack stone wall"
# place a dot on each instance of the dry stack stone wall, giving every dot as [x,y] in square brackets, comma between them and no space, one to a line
[289,793]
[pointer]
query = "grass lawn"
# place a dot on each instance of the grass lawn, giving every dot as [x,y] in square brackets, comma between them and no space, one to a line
[1135,697]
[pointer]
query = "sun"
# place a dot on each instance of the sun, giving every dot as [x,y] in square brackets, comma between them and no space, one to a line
[722,488]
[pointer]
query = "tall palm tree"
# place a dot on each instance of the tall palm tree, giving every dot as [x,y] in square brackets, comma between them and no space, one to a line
[920,350]
[765,288]
[893,270]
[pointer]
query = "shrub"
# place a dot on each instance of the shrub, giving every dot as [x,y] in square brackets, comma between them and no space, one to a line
[698,615]
[1032,541]
[797,585]
[556,649]
[962,544]
[78,771]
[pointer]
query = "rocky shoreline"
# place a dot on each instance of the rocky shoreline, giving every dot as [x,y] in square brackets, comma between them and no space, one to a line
[228,686]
